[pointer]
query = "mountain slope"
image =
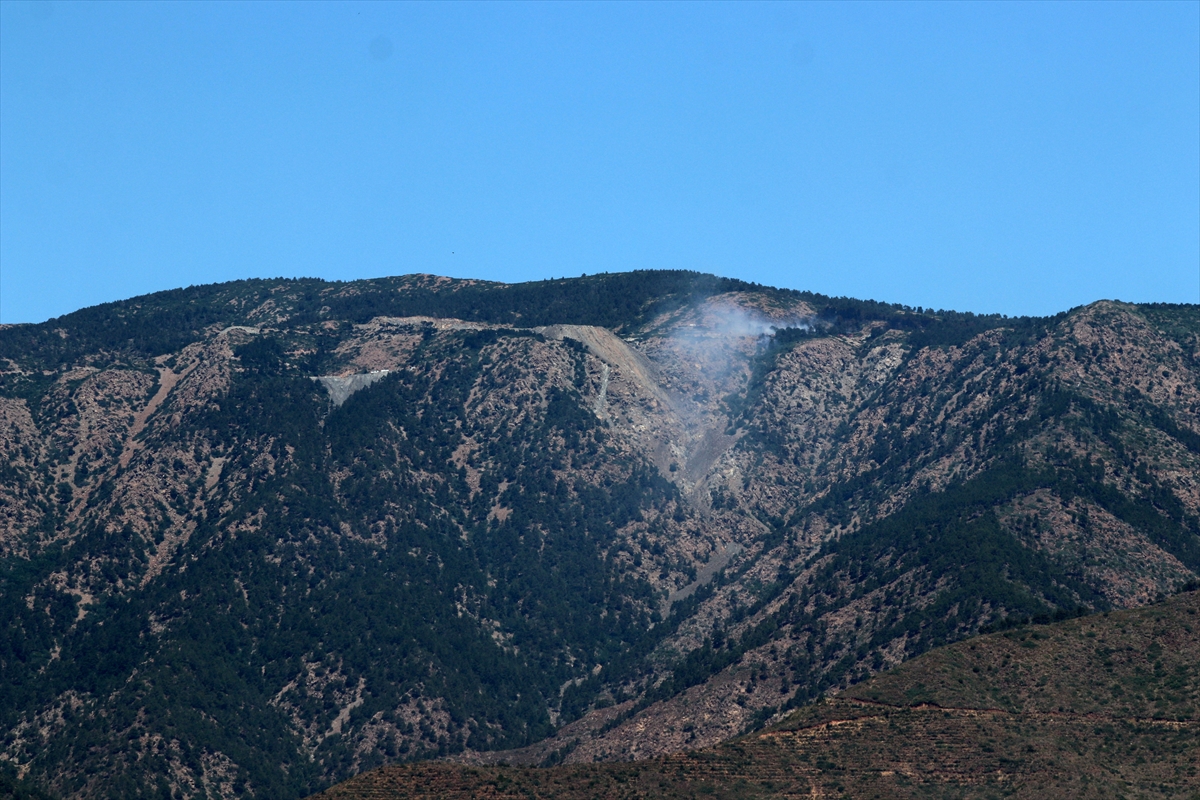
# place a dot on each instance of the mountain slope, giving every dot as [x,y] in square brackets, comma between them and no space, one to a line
[630,513]
[905,508]
[1103,706]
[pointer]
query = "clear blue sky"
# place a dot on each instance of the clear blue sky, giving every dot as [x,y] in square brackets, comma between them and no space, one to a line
[1020,158]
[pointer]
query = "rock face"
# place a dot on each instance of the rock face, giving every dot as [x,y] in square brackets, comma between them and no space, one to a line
[341,387]
[578,520]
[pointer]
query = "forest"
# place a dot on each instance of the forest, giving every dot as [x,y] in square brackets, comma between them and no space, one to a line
[260,593]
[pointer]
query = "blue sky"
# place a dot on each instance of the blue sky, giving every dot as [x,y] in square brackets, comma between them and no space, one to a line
[1020,158]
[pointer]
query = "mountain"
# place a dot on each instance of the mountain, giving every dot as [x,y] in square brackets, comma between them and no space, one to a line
[1105,706]
[260,536]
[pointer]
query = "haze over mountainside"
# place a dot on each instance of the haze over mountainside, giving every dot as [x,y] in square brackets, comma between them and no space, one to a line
[1101,707]
[260,536]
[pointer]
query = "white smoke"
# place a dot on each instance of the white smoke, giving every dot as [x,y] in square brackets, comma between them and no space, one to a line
[735,321]
[718,338]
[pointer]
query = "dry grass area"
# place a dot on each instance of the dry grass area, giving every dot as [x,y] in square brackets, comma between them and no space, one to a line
[1106,706]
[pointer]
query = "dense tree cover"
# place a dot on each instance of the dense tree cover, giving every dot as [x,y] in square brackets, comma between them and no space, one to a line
[1180,321]
[947,566]
[382,563]
[616,300]
[1078,697]
[945,545]
[144,326]
[17,789]
[164,322]
[395,584]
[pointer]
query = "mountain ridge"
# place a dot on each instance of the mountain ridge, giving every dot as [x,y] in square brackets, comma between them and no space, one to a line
[727,503]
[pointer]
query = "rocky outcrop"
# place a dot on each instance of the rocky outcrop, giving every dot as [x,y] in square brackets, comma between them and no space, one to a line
[340,387]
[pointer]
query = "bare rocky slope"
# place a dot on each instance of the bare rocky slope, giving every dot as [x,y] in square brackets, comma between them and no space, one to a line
[592,519]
